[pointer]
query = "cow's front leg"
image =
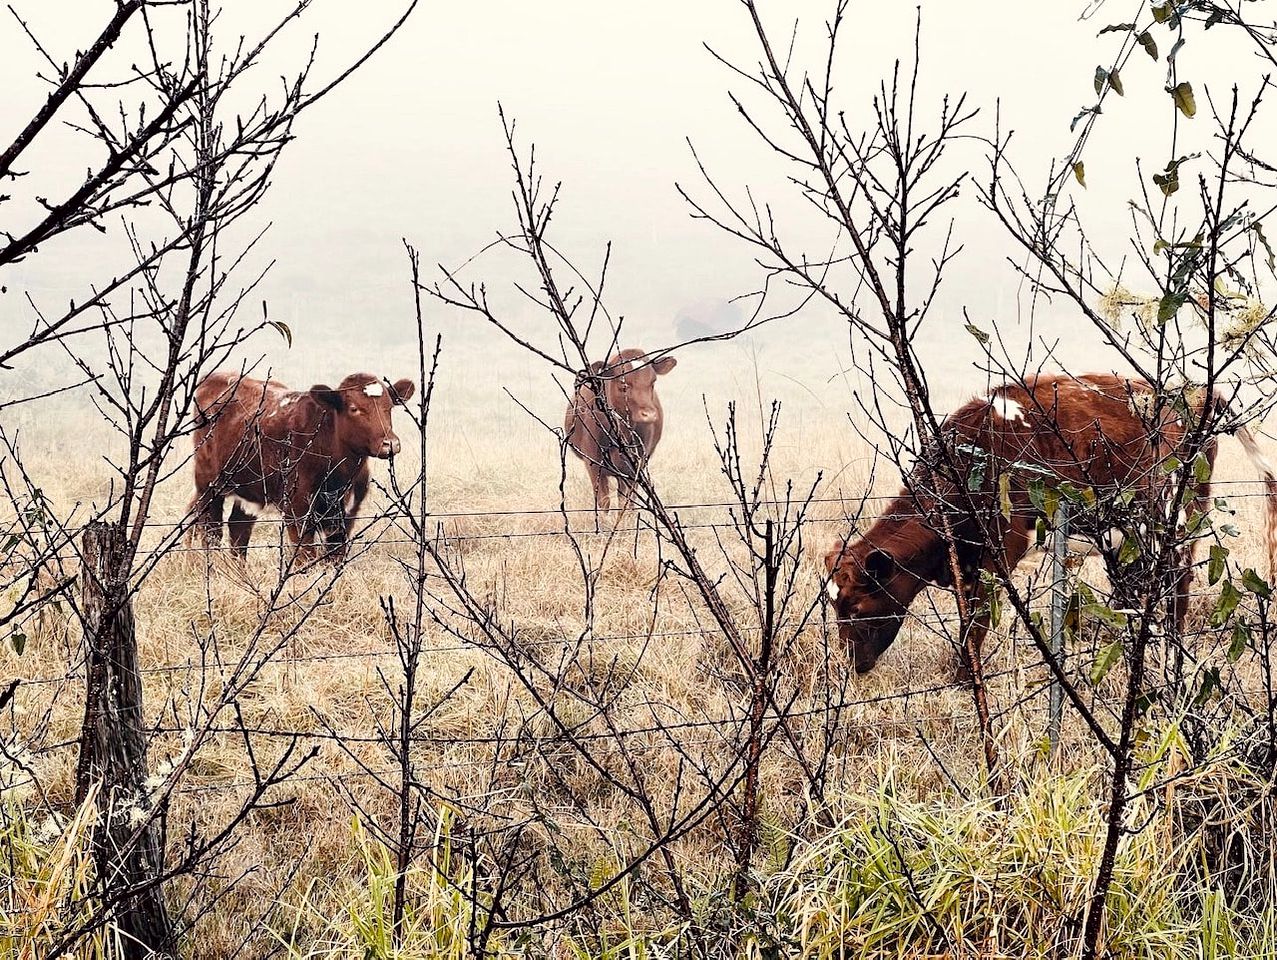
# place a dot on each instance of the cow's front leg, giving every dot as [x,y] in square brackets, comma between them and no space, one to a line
[601,483]
[301,536]
[206,526]
[336,538]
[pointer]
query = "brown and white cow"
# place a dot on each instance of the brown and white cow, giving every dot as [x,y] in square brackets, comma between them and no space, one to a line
[629,384]
[1091,430]
[303,452]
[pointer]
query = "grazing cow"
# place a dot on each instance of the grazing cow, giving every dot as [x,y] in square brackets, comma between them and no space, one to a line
[303,452]
[629,384]
[1091,430]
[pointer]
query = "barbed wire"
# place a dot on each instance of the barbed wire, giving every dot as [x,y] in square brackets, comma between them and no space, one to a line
[796,503]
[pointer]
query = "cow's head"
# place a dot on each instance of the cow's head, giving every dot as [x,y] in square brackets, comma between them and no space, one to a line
[629,379]
[361,407]
[871,593]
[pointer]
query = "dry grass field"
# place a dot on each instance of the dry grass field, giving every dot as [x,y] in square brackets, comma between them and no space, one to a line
[904,753]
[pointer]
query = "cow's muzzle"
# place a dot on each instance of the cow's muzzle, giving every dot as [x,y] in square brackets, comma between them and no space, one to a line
[389,447]
[868,641]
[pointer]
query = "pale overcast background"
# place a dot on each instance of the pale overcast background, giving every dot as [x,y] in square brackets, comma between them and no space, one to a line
[611,93]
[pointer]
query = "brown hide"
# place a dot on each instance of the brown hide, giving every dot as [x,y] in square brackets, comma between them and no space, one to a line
[1090,430]
[302,452]
[629,384]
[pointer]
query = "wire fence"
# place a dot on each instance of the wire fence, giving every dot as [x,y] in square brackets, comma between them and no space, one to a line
[1034,676]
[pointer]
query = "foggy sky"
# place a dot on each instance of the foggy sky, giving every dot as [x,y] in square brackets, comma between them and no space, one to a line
[611,93]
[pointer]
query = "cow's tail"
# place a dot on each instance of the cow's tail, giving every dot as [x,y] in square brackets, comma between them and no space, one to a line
[1267,474]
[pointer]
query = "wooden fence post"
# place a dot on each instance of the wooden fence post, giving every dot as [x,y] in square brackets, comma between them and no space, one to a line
[129,861]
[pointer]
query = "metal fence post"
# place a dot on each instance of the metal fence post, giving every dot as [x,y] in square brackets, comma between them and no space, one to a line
[1059,600]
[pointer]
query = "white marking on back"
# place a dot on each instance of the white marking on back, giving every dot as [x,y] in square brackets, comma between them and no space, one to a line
[373,390]
[1006,408]
[286,401]
[831,588]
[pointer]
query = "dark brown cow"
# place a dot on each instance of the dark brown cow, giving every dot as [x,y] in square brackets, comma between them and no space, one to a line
[629,380]
[302,452]
[1090,430]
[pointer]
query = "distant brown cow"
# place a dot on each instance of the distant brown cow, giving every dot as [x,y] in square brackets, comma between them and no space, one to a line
[302,452]
[1089,430]
[629,382]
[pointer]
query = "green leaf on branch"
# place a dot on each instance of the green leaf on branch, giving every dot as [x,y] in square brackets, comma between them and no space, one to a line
[1241,637]
[1076,494]
[1258,230]
[1129,551]
[1256,584]
[975,479]
[1216,565]
[1183,94]
[1104,662]
[1168,184]
[1169,305]
[19,642]
[976,332]
[1201,468]
[1105,613]
[1210,684]
[1229,597]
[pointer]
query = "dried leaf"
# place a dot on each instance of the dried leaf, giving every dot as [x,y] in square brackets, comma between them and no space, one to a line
[284,331]
[1183,94]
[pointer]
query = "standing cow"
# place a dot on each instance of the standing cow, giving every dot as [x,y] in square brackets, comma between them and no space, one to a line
[617,448]
[303,452]
[1090,430]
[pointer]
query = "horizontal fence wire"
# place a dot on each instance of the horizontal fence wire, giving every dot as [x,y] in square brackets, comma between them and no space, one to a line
[796,503]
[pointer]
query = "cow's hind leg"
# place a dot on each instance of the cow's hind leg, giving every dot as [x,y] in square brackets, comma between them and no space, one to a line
[240,526]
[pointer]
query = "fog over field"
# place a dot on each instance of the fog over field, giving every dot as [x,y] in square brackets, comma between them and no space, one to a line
[411,147]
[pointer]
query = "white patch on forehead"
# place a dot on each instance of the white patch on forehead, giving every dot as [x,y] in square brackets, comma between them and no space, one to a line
[373,390]
[831,588]
[1006,408]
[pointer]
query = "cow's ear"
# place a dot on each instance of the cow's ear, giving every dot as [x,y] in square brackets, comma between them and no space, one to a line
[880,565]
[326,395]
[664,365]
[401,391]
